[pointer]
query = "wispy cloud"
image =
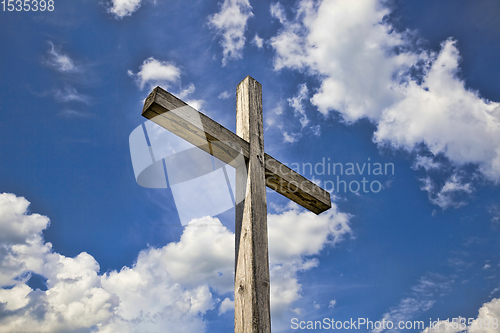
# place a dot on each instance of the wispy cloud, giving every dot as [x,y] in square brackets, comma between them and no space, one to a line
[187,91]
[451,194]
[291,137]
[296,103]
[494,211]
[155,72]
[422,298]
[70,113]
[123,8]
[230,23]
[195,103]
[69,94]
[60,61]
[64,64]
[426,162]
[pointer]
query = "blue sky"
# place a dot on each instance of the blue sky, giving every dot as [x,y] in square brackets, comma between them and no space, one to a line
[413,84]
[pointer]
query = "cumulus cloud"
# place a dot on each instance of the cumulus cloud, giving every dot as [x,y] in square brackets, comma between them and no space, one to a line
[450,119]
[346,44]
[171,286]
[122,8]
[155,72]
[226,305]
[230,24]
[367,69]
[21,228]
[489,313]
[60,61]
[293,237]
[157,292]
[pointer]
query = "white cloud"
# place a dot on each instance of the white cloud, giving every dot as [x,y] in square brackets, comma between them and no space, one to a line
[197,104]
[154,72]
[69,94]
[290,137]
[272,117]
[156,292]
[257,41]
[60,61]
[226,306]
[423,297]
[488,313]
[406,310]
[277,11]
[494,211]
[69,113]
[332,304]
[287,228]
[365,68]
[449,195]
[316,130]
[293,236]
[186,92]
[224,95]
[426,162]
[20,228]
[296,103]
[345,43]
[450,119]
[122,8]
[230,23]
[17,297]
[169,286]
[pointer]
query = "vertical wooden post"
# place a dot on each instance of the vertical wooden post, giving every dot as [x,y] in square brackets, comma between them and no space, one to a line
[251,288]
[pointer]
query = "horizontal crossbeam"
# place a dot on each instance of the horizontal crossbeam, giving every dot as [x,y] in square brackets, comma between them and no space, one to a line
[193,126]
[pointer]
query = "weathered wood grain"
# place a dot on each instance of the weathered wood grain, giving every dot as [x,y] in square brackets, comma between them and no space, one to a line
[176,116]
[252,312]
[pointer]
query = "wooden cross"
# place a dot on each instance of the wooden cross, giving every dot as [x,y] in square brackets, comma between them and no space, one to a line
[252,284]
